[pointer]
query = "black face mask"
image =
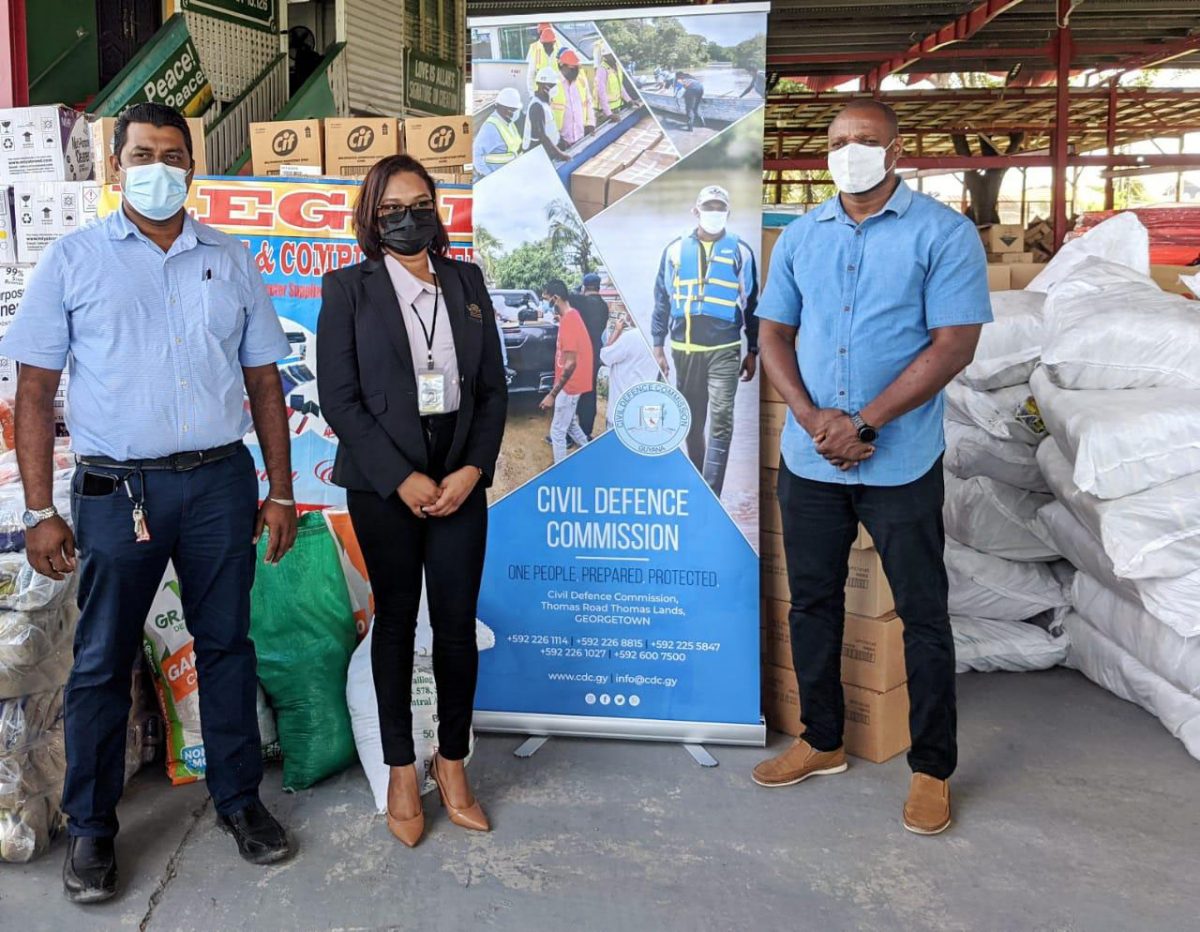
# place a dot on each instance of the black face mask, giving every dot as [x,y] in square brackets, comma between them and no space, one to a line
[407,232]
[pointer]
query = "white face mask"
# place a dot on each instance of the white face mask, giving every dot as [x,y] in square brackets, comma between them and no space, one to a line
[857,168]
[712,222]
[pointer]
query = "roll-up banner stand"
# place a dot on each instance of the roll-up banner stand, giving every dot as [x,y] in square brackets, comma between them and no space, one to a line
[622,571]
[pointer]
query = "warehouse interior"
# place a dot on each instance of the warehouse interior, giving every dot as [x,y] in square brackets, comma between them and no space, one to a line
[1077,799]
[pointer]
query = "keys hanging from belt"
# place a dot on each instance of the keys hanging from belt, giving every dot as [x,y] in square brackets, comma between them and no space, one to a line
[141,529]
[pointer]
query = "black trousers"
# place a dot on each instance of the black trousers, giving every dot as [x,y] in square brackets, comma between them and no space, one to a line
[400,550]
[820,522]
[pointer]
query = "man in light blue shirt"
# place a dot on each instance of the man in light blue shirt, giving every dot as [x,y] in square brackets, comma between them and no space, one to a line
[874,303]
[166,327]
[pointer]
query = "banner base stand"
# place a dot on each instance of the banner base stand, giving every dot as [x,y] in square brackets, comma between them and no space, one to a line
[632,729]
[531,746]
[700,755]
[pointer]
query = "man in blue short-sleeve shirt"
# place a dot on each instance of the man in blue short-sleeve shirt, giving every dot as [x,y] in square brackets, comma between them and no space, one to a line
[874,303]
[167,327]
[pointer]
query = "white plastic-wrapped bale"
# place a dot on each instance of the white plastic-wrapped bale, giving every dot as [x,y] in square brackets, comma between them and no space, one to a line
[1121,239]
[986,645]
[1009,347]
[972,451]
[994,517]
[36,648]
[1122,442]
[32,769]
[984,586]
[1108,328]
[1155,533]
[1006,413]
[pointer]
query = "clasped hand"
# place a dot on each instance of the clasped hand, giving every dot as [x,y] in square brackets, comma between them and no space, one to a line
[428,499]
[836,438]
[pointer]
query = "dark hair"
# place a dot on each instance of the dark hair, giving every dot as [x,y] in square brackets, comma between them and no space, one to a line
[366,208]
[159,115]
[556,288]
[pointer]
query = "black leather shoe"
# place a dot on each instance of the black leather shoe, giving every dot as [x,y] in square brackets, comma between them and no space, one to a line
[260,838]
[90,870]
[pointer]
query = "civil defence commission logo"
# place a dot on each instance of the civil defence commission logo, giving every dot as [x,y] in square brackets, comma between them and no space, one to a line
[652,418]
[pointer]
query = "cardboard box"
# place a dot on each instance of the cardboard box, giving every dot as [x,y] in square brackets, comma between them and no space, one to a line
[769,518]
[863,540]
[101,130]
[1003,237]
[8,226]
[285,142]
[352,147]
[649,165]
[46,210]
[1011,258]
[772,416]
[1022,275]
[1000,276]
[867,590]
[876,724]
[13,279]
[49,143]
[1167,277]
[438,142]
[589,182]
[873,652]
[773,567]
[872,648]
[588,209]
[780,700]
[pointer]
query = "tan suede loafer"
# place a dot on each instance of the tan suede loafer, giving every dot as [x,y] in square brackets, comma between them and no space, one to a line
[799,762]
[927,811]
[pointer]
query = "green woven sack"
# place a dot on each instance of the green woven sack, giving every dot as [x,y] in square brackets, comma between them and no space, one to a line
[303,630]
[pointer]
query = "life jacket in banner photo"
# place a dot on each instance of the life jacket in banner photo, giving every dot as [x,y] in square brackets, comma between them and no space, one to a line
[618,224]
[297,230]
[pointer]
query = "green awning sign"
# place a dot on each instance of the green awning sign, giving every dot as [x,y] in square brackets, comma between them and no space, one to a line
[258,13]
[166,71]
[432,85]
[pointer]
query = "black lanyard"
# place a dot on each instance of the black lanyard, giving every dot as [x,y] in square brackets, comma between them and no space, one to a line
[429,332]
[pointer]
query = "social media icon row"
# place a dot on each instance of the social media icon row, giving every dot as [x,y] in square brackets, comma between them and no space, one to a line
[606,699]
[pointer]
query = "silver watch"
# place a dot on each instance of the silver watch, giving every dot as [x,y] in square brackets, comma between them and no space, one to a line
[32,519]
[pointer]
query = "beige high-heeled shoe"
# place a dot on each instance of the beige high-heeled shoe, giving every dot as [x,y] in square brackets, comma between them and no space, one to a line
[410,830]
[469,817]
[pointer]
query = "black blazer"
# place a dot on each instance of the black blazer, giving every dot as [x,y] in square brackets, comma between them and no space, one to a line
[368,387]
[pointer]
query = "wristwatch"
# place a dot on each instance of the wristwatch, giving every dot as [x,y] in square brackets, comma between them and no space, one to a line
[866,433]
[32,519]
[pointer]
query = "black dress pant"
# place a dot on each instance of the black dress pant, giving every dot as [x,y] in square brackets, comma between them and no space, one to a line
[820,522]
[400,549]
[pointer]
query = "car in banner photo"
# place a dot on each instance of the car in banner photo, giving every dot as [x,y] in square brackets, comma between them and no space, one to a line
[529,339]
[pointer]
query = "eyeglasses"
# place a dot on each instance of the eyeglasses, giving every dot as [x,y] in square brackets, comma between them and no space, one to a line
[419,210]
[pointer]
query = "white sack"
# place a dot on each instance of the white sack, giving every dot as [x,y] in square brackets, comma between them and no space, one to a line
[37,648]
[364,715]
[994,517]
[1121,239]
[1174,602]
[1160,649]
[972,451]
[986,645]
[983,586]
[1122,442]
[1192,282]
[1153,533]
[1006,413]
[1104,662]
[1061,530]
[1010,345]
[1110,328]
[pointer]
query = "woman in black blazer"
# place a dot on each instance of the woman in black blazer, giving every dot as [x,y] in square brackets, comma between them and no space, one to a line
[411,380]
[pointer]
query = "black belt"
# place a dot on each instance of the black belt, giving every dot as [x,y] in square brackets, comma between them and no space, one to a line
[176,462]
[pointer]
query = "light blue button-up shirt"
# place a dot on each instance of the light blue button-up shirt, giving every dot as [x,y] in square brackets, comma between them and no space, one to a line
[865,298]
[154,342]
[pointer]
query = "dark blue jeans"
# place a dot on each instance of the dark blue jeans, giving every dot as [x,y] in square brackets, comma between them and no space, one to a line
[203,521]
[820,522]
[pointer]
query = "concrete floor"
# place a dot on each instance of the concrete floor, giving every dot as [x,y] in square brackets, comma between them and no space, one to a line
[1075,810]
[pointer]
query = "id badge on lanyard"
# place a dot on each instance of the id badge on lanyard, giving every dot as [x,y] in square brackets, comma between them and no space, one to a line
[431,384]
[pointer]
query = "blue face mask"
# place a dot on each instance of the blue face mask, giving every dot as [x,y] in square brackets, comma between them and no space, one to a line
[157,191]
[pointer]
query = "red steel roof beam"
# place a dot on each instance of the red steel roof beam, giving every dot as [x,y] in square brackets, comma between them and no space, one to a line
[962,28]
[1152,59]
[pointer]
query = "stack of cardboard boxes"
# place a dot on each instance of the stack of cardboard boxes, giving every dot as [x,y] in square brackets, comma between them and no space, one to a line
[641,154]
[1005,244]
[348,147]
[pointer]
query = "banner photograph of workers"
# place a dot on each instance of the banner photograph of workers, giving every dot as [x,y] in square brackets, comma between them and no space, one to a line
[617,222]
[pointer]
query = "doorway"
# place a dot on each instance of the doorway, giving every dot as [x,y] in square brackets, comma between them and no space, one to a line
[123,27]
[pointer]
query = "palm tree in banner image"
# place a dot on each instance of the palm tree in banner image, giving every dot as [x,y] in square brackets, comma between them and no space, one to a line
[568,236]
[487,249]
